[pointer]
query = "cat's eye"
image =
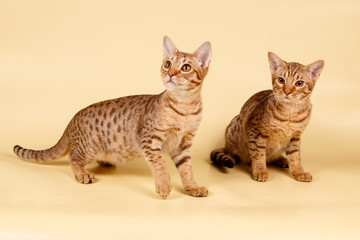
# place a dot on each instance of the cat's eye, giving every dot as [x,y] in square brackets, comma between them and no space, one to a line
[167,65]
[299,83]
[281,80]
[186,68]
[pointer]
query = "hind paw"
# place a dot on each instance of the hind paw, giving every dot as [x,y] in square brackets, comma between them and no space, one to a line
[85,178]
[281,162]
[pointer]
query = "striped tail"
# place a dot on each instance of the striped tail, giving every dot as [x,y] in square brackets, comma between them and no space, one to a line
[220,158]
[43,156]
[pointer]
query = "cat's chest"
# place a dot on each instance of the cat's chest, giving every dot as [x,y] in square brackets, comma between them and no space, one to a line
[286,129]
[276,145]
[176,129]
[289,124]
[182,124]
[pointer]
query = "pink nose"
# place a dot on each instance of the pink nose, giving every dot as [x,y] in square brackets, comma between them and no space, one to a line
[171,73]
[287,91]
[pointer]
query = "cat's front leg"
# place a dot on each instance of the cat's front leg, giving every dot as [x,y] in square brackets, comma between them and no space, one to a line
[151,149]
[257,151]
[160,172]
[182,159]
[293,156]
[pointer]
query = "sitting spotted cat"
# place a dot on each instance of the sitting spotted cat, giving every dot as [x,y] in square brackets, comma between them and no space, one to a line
[271,122]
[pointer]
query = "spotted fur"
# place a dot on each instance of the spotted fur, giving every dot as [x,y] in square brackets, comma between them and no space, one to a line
[114,131]
[270,123]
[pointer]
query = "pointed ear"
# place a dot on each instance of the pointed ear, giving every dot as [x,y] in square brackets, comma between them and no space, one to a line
[169,47]
[314,69]
[203,55]
[275,62]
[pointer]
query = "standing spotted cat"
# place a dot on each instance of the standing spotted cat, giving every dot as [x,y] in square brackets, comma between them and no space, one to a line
[114,131]
[271,122]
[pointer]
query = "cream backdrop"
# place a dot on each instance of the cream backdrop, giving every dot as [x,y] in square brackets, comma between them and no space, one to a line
[57,57]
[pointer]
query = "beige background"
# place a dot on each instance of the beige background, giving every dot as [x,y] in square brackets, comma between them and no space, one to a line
[57,57]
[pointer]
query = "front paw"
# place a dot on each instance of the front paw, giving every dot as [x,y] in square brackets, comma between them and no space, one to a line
[197,191]
[163,186]
[261,176]
[303,176]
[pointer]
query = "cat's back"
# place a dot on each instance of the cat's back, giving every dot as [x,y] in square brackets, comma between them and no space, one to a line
[255,105]
[116,109]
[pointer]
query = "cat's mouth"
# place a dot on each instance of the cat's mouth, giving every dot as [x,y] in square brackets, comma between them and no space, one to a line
[170,80]
[285,98]
[174,83]
[288,99]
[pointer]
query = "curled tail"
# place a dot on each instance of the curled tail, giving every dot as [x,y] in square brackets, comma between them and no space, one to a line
[43,156]
[220,158]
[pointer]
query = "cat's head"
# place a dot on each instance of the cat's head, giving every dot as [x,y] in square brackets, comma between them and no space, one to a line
[293,82]
[184,71]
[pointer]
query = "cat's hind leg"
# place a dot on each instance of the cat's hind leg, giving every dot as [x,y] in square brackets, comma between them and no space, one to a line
[78,163]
